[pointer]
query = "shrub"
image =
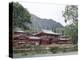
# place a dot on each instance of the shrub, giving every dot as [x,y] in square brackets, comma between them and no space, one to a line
[54,49]
[65,49]
[40,49]
[75,48]
[69,49]
[18,51]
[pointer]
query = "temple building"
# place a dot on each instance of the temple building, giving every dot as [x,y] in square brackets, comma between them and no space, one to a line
[44,37]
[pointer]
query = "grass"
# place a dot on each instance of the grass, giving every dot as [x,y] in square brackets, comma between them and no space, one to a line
[63,49]
[40,49]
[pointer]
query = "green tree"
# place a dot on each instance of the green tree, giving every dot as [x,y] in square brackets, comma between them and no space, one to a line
[20,15]
[71,29]
[71,13]
[60,30]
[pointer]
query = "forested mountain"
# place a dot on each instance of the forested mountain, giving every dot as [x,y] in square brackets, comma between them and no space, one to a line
[38,24]
[20,15]
[23,20]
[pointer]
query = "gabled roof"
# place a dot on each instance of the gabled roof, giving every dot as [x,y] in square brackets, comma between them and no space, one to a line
[47,32]
[32,37]
[17,29]
[64,38]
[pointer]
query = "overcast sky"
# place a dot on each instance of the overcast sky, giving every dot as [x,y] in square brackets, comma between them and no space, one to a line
[47,10]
